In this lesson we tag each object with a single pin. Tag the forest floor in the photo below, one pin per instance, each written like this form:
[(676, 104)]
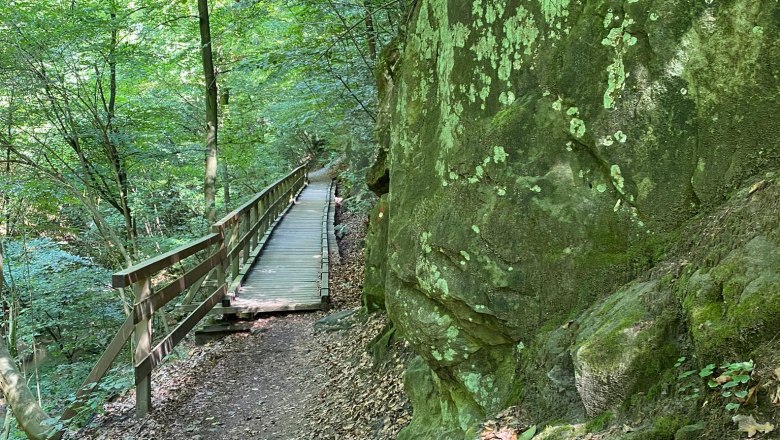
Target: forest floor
[(286, 379)]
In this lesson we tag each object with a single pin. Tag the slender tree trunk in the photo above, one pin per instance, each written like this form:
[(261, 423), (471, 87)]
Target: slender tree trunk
[(28, 413), (209, 187), (131, 231), (25, 407), (370, 31), (224, 101), (226, 185), (6, 198)]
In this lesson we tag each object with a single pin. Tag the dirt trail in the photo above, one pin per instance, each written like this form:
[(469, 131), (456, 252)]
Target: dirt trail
[(257, 385), (260, 388)]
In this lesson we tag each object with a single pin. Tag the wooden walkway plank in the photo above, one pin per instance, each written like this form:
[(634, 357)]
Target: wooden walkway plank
[(288, 273)]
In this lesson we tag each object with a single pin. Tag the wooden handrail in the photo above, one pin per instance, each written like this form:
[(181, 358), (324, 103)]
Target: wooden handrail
[(233, 215), (145, 309), (148, 267), (232, 238)]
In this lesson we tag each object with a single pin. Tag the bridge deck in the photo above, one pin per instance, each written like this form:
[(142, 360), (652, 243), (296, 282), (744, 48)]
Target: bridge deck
[(287, 273)]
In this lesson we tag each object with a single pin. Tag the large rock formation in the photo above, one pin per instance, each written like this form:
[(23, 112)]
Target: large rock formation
[(552, 164)]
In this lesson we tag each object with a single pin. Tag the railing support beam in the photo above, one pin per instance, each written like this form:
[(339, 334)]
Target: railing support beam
[(143, 346)]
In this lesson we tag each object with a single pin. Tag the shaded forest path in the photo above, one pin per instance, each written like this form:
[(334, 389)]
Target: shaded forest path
[(259, 388), (283, 380)]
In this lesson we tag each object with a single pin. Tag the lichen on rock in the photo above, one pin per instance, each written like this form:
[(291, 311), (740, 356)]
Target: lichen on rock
[(544, 157)]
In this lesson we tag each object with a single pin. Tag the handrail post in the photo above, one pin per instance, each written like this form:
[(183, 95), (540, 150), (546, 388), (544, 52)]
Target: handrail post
[(262, 216), (221, 270), (253, 219), (275, 206), (143, 346), (248, 223), (234, 236)]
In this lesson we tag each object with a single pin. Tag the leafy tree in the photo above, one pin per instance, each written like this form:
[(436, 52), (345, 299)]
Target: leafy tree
[(102, 144)]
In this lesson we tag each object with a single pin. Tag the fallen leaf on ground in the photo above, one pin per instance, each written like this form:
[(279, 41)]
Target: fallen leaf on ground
[(750, 398), (528, 434), (722, 379), (749, 425)]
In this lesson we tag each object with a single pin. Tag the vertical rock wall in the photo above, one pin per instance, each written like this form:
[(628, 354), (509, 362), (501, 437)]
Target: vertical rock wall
[(542, 154)]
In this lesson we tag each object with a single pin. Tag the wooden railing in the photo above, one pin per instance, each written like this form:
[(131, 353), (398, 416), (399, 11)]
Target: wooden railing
[(230, 248), (328, 212)]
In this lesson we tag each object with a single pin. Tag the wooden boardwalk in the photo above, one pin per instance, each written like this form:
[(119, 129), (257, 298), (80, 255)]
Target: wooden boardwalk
[(288, 273), (267, 255)]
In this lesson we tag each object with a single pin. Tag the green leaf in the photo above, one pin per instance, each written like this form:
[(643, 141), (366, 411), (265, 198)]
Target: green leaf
[(686, 374), (726, 394), (742, 378), (528, 434), (730, 384), (707, 371), (741, 394), (732, 406), (712, 384)]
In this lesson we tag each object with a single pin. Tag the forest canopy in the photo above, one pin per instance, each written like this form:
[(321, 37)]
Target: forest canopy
[(102, 110)]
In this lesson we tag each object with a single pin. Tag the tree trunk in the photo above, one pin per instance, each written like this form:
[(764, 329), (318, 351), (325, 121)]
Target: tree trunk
[(209, 187), (224, 101), (370, 31), (6, 197), (117, 162), (28, 413), (226, 185)]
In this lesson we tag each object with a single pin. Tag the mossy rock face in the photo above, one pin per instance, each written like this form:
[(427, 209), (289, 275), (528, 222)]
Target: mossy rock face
[(376, 256), (562, 432), (442, 412), (540, 152)]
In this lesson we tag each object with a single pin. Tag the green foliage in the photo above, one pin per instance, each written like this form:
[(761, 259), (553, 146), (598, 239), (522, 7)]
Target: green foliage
[(95, 185), (66, 316), (730, 380)]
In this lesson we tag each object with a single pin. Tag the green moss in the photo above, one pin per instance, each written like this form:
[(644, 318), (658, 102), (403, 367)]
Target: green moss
[(554, 9), (619, 40), (663, 428), (381, 343), (562, 432), (599, 422), (546, 244), (736, 302)]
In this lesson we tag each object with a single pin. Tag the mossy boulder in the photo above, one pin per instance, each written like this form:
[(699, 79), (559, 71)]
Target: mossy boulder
[(442, 411), (736, 304), (562, 432), (543, 154), (622, 342)]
